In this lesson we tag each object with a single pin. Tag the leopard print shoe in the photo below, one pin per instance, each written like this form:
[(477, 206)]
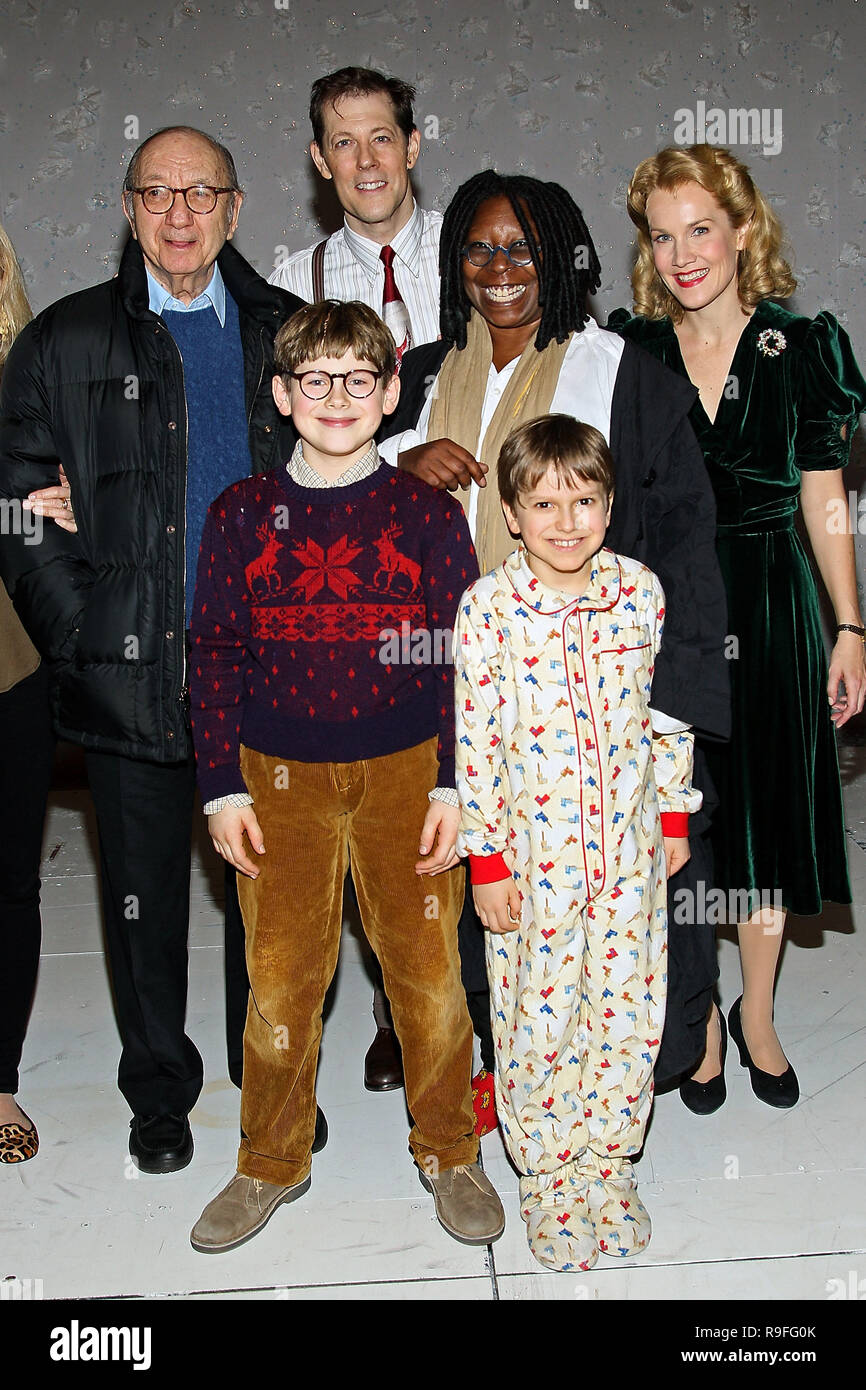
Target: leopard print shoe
[(17, 1144)]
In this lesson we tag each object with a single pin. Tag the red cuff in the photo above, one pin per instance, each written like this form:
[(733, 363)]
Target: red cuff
[(487, 868), (675, 824)]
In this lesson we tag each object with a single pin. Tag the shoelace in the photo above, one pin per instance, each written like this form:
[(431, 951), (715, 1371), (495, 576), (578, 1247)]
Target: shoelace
[(468, 1171)]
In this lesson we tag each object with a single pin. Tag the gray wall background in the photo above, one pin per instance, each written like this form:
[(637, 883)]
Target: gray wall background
[(576, 92), (579, 95)]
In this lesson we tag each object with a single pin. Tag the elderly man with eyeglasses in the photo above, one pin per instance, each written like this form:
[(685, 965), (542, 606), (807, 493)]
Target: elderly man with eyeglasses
[(153, 392)]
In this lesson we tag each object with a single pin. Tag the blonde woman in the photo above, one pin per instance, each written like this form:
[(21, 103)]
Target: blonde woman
[(779, 397), (25, 769)]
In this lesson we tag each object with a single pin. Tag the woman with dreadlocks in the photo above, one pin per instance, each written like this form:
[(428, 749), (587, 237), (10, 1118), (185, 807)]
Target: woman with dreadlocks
[(518, 264)]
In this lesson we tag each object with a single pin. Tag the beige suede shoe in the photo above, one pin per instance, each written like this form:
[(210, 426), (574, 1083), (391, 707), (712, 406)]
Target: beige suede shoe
[(239, 1211), (467, 1205)]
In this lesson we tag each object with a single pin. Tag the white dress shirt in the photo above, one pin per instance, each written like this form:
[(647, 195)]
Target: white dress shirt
[(584, 390), (353, 270)]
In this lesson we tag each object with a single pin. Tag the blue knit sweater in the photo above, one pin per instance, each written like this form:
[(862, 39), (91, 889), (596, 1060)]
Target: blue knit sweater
[(218, 447)]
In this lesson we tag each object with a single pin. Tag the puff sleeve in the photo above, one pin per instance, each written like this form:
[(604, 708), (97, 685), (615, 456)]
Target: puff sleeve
[(831, 394)]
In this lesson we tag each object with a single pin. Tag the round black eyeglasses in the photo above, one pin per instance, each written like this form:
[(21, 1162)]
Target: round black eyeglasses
[(317, 385), (481, 253)]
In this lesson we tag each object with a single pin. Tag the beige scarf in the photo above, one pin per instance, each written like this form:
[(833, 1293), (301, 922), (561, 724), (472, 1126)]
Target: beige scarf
[(456, 414)]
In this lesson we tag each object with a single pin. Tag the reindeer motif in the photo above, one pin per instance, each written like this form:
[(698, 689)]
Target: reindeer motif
[(261, 571), (392, 563)]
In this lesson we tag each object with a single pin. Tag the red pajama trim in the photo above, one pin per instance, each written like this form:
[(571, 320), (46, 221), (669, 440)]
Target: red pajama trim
[(487, 868), (675, 824)]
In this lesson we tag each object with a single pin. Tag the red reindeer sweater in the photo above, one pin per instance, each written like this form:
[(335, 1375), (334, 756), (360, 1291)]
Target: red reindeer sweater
[(322, 621)]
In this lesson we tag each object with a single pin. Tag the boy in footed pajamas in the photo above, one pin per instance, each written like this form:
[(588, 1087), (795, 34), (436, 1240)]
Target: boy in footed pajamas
[(321, 735), (571, 805)]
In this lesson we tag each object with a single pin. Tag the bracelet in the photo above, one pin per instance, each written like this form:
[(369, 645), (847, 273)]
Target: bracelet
[(851, 627)]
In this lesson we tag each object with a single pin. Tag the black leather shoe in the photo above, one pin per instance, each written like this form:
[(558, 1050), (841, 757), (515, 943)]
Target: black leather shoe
[(383, 1064), (705, 1097), (160, 1143), (782, 1091), (320, 1138)]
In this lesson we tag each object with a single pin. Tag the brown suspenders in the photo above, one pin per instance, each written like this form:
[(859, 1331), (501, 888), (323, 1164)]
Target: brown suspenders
[(319, 271)]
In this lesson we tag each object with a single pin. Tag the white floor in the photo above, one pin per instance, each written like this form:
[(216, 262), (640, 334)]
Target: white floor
[(748, 1203)]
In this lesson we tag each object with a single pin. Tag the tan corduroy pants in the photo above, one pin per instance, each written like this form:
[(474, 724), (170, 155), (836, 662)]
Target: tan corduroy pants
[(314, 817)]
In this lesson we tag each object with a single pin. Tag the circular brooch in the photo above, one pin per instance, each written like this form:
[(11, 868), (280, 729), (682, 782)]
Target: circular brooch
[(771, 342)]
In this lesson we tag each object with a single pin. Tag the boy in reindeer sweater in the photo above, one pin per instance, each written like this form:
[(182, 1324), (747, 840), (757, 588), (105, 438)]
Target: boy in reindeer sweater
[(320, 737)]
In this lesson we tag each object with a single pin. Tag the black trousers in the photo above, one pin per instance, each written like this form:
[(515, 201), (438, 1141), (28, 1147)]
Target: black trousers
[(144, 815), (25, 775), (473, 969), (237, 979)]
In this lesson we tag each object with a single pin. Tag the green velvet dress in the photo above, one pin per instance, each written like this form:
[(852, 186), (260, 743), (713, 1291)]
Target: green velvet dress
[(779, 825)]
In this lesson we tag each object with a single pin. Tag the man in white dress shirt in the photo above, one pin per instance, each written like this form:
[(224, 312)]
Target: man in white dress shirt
[(386, 254), (365, 139)]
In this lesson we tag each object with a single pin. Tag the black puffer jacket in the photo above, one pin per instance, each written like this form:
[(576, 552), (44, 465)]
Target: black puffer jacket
[(95, 382)]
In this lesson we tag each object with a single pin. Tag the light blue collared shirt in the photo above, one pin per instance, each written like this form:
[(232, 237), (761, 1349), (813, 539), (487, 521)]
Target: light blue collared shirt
[(212, 296)]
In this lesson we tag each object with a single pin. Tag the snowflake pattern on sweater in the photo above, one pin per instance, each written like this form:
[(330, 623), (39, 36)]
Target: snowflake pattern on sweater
[(298, 590)]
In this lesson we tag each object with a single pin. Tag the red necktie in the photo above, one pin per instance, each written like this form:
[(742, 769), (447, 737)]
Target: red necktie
[(394, 311)]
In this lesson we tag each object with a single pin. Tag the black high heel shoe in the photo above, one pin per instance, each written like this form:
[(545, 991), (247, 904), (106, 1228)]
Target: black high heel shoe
[(782, 1091), (705, 1097)]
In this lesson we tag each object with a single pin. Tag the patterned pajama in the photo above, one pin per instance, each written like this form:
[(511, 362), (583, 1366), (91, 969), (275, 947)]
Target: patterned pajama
[(557, 766)]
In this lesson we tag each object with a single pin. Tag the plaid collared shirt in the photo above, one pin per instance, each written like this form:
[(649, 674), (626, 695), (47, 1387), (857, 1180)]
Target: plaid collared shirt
[(305, 475)]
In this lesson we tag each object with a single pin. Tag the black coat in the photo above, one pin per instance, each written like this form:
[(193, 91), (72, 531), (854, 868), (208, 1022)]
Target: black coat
[(95, 382)]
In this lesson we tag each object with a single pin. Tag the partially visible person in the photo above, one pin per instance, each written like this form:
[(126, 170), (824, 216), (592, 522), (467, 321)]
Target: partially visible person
[(25, 773), (778, 402), (385, 255), (317, 741), (153, 391), (518, 264), (554, 656)]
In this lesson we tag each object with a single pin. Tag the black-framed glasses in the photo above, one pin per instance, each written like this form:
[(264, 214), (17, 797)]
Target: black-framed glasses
[(199, 197), (481, 253), (317, 385)]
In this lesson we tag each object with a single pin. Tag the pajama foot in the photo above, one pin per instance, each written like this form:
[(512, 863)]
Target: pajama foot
[(559, 1228), (621, 1221)]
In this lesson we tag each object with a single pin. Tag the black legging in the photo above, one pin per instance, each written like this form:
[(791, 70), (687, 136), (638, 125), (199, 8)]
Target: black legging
[(25, 775)]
